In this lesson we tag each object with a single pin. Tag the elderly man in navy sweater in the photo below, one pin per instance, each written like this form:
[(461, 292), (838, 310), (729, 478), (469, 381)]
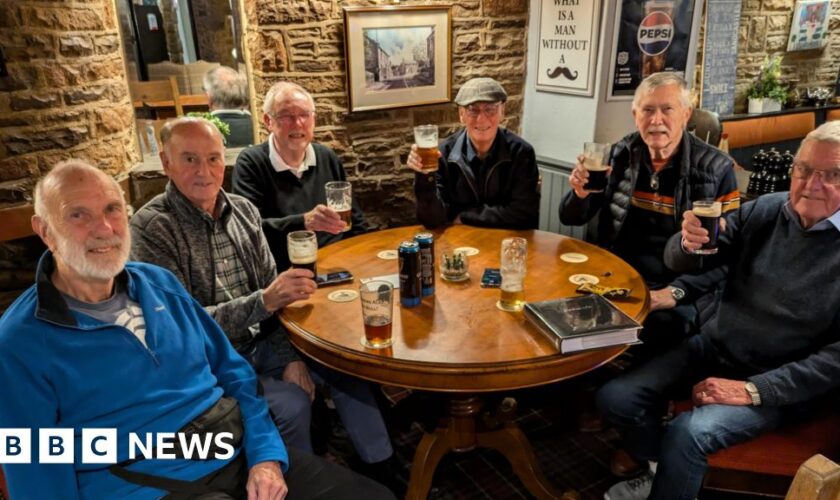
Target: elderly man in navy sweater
[(771, 349)]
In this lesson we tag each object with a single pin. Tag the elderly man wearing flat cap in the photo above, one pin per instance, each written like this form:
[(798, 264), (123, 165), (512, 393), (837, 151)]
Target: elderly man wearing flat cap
[(487, 175)]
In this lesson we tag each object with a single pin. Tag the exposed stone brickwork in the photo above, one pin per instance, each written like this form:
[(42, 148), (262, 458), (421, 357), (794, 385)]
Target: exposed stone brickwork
[(765, 27), (65, 96), (303, 42)]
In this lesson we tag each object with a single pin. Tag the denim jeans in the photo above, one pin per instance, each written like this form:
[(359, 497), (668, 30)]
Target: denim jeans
[(291, 408), (636, 403)]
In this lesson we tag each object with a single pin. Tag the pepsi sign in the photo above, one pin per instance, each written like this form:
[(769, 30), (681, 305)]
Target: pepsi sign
[(655, 33)]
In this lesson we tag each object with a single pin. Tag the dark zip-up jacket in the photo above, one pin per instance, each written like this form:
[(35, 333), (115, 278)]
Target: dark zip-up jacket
[(705, 173), (508, 197)]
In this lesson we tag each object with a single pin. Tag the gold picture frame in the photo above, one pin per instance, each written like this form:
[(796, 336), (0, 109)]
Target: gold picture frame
[(398, 56)]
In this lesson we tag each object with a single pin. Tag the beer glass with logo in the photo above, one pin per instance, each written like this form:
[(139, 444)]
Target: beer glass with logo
[(595, 158), (708, 211), (340, 199), (377, 299), (303, 250), (426, 138), (512, 268)]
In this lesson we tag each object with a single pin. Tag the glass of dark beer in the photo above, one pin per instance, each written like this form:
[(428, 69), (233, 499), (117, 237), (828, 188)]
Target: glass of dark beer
[(340, 199), (303, 250), (595, 159), (426, 138), (377, 299), (708, 211)]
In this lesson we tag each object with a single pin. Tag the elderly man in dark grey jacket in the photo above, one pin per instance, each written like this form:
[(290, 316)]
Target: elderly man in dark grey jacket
[(214, 244)]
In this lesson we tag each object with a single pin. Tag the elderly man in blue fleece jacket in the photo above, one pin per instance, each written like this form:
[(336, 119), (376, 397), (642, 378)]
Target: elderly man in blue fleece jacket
[(98, 343), (771, 349)]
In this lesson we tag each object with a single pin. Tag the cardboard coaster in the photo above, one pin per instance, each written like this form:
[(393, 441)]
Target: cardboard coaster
[(468, 251), (573, 257), (345, 295), (579, 279), (388, 255)]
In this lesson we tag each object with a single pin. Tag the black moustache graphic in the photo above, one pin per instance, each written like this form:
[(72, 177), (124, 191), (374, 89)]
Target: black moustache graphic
[(560, 70)]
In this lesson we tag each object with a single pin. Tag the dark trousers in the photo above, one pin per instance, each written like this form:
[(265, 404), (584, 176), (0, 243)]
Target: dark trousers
[(309, 477)]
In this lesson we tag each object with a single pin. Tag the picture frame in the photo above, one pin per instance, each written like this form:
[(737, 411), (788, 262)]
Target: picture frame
[(634, 53), (568, 47), (809, 25), (398, 56)]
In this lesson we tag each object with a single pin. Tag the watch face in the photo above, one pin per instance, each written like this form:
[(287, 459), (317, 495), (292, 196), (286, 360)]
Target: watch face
[(677, 293)]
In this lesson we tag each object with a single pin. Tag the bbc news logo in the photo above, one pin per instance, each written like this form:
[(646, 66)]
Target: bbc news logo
[(655, 33), (99, 446)]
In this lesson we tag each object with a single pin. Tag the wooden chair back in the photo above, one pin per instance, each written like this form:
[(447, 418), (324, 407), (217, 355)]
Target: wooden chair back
[(157, 90), (817, 479)]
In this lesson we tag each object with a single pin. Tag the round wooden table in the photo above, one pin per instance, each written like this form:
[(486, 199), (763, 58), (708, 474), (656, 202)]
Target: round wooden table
[(458, 341)]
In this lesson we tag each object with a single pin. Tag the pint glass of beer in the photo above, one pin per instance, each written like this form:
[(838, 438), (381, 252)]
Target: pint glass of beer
[(340, 199), (426, 138), (303, 250), (708, 211), (377, 299), (595, 159), (514, 255)]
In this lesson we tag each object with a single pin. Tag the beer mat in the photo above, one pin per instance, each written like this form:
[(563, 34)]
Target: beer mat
[(579, 279), (388, 255), (468, 251), (604, 291), (573, 257), (345, 295), (459, 279), (393, 279)]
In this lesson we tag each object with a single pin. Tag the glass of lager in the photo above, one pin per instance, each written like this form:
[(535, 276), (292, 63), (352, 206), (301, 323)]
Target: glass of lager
[(377, 299), (426, 138), (514, 255), (708, 211), (595, 161), (340, 199), (303, 250)]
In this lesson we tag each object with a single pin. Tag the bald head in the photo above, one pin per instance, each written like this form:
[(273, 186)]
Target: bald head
[(188, 125), (48, 191)]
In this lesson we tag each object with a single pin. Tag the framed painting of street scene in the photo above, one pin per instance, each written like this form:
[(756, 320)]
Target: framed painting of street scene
[(397, 56)]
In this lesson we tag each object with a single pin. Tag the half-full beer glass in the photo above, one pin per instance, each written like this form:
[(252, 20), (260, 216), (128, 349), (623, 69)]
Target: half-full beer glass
[(303, 250), (595, 161), (340, 199), (514, 255), (377, 299), (708, 211), (426, 138)]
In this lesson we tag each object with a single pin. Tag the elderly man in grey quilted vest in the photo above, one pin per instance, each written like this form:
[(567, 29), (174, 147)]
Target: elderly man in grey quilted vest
[(213, 242)]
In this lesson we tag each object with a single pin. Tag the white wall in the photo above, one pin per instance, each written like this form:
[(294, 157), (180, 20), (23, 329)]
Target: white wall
[(557, 125)]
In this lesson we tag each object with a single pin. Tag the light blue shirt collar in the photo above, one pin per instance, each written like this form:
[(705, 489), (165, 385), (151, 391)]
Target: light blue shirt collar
[(822, 225)]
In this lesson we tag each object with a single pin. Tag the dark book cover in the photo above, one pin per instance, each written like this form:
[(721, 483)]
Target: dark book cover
[(578, 323)]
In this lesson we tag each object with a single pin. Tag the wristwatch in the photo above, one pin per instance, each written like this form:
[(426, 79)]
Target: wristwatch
[(752, 390), (677, 293)]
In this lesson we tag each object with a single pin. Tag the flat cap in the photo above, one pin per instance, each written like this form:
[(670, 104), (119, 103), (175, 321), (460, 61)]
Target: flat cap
[(480, 90)]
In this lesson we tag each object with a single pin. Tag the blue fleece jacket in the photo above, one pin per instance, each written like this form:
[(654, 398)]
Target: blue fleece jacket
[(62, 369)]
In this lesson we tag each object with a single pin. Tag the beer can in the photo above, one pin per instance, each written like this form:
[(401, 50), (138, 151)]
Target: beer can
[(410, 287), (426, 241)]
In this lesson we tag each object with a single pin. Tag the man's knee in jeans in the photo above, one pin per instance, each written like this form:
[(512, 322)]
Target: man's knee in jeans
[(616, 403), (291, 410)]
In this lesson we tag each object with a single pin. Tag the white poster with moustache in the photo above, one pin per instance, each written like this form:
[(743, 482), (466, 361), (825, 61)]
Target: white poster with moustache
[(568, 46)]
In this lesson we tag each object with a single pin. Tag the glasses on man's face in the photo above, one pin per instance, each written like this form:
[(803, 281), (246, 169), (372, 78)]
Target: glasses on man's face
[(290, 118), (488, 110), (804, 172)]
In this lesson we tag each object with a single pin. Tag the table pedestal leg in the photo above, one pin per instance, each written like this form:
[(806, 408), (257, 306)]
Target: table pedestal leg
[(459, 434)]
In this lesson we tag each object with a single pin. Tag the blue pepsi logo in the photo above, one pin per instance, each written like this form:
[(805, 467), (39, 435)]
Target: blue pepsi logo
[(655, 33)]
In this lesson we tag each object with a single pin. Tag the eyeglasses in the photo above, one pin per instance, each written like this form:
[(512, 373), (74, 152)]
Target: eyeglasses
[(290, 118), (488, 110), (804, 172)]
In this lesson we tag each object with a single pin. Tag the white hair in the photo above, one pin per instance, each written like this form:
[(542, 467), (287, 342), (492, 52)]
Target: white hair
[(657, 80), (279, 91)]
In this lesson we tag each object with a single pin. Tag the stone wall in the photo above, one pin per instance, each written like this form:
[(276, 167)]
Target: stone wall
[(765, 26), (303, 42), (66, 96)]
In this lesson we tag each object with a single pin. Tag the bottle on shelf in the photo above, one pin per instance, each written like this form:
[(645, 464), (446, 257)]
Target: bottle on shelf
[(723, 145)]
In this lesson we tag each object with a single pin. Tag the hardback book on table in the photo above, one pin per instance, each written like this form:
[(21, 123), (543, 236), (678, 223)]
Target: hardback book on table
[(580, 323)]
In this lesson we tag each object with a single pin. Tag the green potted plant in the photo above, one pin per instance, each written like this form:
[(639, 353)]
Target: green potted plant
[(768, 93), (223, 127)]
